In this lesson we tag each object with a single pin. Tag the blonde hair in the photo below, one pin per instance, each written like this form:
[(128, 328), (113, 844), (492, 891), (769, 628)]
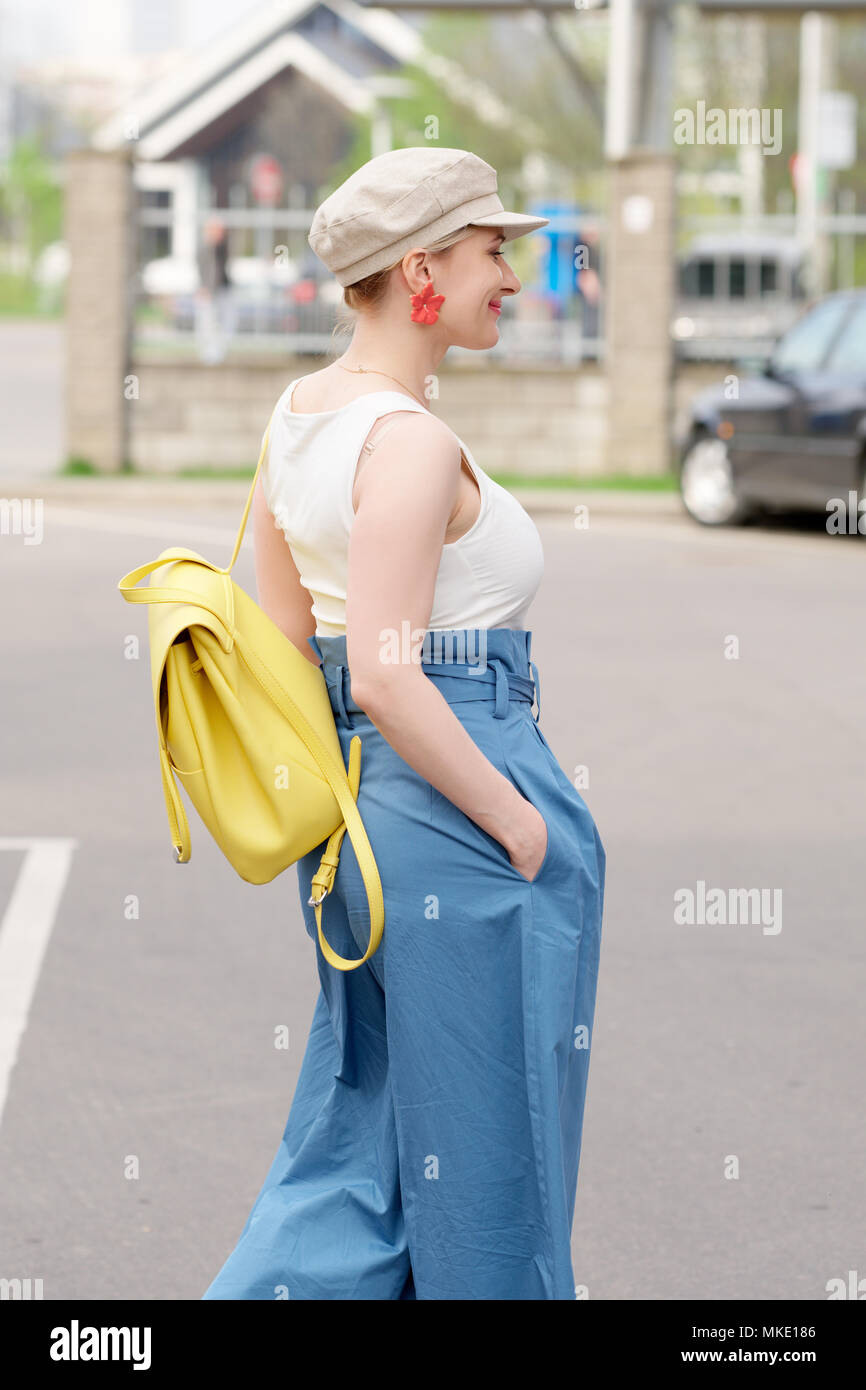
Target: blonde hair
[(368, 294)]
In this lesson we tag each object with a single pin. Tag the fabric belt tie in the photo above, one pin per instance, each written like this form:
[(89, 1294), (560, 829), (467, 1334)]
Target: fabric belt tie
[(493, 682)]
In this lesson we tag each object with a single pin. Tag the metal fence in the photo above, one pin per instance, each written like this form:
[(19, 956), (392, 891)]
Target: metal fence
[(281, 298), (738, 286)]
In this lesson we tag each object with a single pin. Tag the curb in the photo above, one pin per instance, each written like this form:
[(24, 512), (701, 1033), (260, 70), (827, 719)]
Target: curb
[(232, 493)]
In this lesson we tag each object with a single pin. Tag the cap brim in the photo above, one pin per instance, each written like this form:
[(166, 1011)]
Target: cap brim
[(513, 224)]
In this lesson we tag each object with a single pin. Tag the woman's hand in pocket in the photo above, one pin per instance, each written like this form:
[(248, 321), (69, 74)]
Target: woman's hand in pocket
[(529, 846)]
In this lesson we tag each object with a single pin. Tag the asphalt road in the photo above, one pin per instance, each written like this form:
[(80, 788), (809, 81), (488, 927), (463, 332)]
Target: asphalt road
[(147, 1099)]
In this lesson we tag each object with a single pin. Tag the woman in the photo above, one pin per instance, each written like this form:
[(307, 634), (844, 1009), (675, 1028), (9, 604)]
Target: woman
[(432, 1146)]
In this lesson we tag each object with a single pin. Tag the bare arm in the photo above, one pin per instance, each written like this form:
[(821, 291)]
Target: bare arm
[(406, 495)]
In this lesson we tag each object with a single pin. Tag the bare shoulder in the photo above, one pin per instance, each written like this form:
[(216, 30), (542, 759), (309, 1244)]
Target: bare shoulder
[(416, 430)]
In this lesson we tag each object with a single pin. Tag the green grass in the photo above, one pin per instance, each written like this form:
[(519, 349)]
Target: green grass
[(77, 468), (616, 481), (620, 482), (20, 299), (208, 474)]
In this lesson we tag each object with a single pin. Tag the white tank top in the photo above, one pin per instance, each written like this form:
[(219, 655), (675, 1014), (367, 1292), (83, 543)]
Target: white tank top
[(486, 578)]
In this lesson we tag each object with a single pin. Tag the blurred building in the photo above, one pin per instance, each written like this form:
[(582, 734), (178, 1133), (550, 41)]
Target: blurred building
[(255, 124), (289, 68), (65, 69)]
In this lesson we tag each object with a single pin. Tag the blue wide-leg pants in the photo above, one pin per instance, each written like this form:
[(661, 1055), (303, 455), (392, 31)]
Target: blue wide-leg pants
[(433, 1142)]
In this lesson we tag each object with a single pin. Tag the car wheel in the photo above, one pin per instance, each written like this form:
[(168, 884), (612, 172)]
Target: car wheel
[(707, 484)]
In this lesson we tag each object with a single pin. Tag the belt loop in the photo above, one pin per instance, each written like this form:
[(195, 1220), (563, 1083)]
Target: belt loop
[(501, 707), (338, 691), (537, 715)]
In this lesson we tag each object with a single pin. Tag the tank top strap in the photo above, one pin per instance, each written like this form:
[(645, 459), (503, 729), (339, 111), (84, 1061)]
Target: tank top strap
[(354, 422), (332, 442), (343, 411), (486, 578), (386, 408), (363, 413)]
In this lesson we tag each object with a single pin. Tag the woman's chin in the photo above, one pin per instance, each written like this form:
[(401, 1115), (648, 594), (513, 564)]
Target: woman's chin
[(489, 334), (477, 342)]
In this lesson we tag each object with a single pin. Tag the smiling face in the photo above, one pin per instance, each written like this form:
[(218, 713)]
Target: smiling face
[(475, 279)]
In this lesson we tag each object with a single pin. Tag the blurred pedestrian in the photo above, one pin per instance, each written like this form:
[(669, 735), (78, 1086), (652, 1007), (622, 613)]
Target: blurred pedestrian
[(214, 301), (588, 280)]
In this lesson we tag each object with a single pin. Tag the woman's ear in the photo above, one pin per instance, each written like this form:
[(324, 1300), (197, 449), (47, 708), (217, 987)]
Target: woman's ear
[(415, 270)]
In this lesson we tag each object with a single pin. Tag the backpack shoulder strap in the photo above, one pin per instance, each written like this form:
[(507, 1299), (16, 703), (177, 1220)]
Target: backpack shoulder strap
[(243, 524)]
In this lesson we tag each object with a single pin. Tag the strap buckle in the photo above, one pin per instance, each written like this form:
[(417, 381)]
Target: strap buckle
[(537, 683)]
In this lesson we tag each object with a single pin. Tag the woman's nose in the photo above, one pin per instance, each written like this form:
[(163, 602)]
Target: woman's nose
[(512, 285)]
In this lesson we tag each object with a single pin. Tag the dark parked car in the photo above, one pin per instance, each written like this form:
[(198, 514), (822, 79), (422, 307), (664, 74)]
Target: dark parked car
[(790, 437)]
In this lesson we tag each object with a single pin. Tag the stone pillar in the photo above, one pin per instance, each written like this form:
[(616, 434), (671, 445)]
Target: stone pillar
[(639, 309), (100, 234)]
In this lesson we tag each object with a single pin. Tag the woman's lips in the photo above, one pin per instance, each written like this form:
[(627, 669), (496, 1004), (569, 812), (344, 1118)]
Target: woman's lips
[(495, 306)]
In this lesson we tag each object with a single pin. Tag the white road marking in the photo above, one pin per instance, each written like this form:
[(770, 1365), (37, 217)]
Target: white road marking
[(24, 933)]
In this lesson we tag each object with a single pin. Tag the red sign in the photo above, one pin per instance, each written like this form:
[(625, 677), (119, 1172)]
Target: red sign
[(266, 180)]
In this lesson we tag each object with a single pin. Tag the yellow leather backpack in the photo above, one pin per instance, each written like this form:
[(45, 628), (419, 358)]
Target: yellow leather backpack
[(245, 724)]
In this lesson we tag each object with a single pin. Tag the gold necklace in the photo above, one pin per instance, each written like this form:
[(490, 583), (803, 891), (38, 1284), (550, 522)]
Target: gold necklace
[(390, 378)]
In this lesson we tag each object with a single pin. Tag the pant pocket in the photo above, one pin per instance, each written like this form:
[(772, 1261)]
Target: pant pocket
[(528, 773), (549, 822), (449, 818)]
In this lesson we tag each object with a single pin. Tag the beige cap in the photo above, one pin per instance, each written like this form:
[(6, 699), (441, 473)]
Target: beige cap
[(405, 198)]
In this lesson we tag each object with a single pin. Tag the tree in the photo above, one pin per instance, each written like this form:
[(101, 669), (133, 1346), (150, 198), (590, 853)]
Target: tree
[(30, 202)]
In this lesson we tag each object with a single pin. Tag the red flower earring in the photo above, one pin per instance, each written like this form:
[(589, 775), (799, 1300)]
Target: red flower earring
[(425, 306)]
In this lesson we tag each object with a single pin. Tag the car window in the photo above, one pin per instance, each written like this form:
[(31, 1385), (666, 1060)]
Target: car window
[(849, 350), (768, 277), (706, 279), (803, 346)]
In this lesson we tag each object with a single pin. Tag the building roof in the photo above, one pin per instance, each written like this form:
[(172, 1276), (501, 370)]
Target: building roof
[(335, 44)]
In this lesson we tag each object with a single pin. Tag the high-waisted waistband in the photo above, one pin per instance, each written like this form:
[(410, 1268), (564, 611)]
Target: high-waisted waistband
[(491, 664)]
